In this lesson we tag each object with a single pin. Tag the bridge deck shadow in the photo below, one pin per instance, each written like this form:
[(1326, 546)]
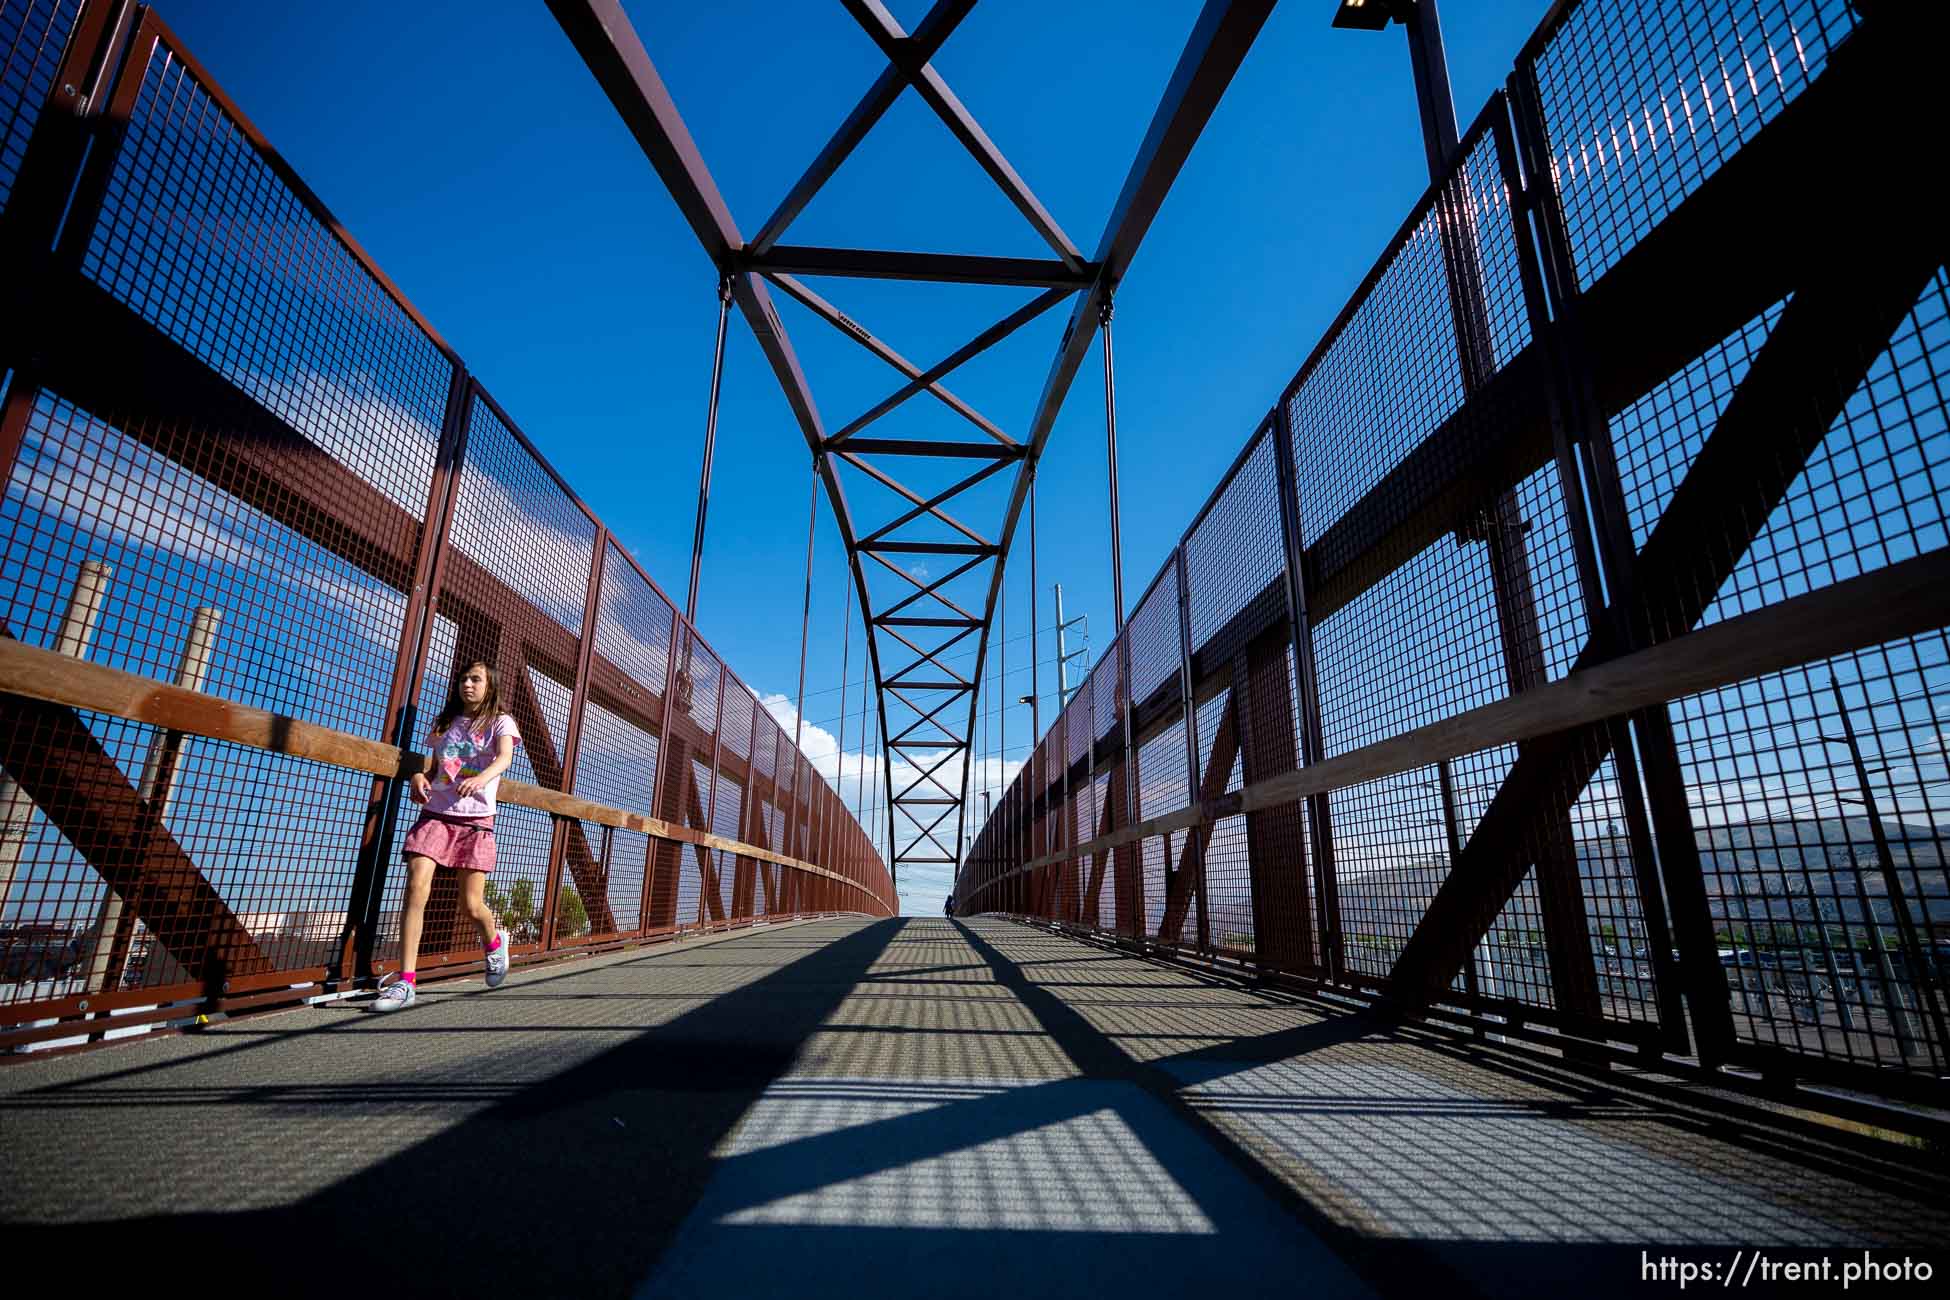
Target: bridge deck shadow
[(894, 1107)]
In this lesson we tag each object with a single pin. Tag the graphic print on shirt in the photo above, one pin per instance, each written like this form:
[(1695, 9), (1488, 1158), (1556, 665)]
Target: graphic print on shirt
[(466, 749), (460, 755)]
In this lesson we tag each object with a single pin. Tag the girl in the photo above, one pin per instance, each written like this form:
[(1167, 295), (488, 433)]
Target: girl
[(472, 743)]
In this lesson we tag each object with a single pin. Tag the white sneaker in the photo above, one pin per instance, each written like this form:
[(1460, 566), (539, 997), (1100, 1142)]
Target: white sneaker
[(497, 961), (397, 996)]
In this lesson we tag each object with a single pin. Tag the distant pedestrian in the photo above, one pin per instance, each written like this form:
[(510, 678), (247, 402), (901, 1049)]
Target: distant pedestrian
[(472, 743)]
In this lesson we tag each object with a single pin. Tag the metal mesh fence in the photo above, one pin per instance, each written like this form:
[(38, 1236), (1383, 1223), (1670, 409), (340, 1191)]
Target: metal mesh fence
[(1483, 508), (1645, 100), (285, 623), (1374, 390), (1234, 555), (245, 466), (1390, 852), (33, 34), (1421, 644), (204, 235)]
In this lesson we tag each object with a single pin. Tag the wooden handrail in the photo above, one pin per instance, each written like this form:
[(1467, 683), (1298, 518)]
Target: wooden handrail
[(1902, 599), (38, 674)]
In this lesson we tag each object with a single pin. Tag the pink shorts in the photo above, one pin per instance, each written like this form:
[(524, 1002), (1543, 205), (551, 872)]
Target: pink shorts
[(463, 843)]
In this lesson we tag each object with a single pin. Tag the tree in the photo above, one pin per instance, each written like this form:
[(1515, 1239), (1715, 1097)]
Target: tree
[(516, 909), (571, 917), (523, 920)]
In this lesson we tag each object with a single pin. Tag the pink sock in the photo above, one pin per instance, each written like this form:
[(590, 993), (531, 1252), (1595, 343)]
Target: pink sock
[(408, 977), (496, 944)]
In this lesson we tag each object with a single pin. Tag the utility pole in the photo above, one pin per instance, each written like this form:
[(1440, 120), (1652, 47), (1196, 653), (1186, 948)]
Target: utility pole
[(1063, 656)]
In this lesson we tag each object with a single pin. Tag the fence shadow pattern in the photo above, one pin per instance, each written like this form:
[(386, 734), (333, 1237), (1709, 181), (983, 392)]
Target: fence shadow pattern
[(1649, 357), (237, 459)]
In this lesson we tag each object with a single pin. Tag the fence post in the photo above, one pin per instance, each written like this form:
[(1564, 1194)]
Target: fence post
[(44, 203), (715, 902), (1196, 836), (358, 946), (558, 844), (38, 206), (1263, 713), (653, 851), (1129, 916), (1320, 826), (745, 885), (1606, 554)]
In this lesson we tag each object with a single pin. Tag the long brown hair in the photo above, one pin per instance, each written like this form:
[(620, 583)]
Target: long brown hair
[(455, 707)]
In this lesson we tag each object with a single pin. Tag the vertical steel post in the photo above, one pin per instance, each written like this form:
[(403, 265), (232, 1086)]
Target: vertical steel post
[(710, 447), (805, 625), (652, 905), (846, 656), (1035, 621), (1104, 313), (572, 746), (746, 879), (359, 941), (1569, 424), (1031, 847), (887, 766), (1432, 96), (45, 205), (1312, 745), (860, 782), (1262, 711), (711, 807), (1196, 837), (1500, 527), (1659, 811), (1122, 859)]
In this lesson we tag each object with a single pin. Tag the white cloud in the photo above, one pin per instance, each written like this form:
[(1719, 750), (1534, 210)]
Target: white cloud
[(922, 886), (352, 419), (120, 494)]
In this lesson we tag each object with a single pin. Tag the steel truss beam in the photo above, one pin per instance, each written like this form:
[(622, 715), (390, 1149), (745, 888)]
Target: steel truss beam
[(1225, 31), (604, 38), (987, 339), (935, 28), (927, 506), (887, 33), (859, 333), (943, 268)]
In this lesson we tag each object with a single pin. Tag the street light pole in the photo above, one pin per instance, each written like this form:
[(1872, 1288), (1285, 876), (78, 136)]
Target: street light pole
[(1035, 622)]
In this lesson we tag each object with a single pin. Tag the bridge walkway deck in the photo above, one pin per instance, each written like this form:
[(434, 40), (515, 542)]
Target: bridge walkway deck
[(895, 1107)]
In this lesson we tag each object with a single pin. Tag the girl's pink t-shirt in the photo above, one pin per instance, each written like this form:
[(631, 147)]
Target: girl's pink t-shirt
[(461, 751)]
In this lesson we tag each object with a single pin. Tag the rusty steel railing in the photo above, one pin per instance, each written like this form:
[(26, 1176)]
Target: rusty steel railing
[(1566, 648), (238, 461)]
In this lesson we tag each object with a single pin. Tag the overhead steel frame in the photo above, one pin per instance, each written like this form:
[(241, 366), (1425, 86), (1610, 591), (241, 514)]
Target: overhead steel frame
[(608, 44)]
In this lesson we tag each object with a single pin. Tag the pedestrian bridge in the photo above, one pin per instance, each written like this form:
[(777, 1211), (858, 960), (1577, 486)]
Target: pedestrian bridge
[(911, 1107), (1503, 847)]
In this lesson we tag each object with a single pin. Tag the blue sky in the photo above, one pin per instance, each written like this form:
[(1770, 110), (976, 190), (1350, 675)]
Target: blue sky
[(470, 152)]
